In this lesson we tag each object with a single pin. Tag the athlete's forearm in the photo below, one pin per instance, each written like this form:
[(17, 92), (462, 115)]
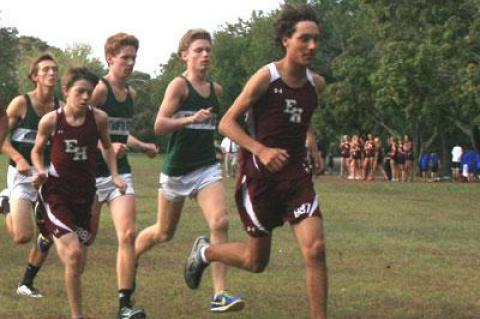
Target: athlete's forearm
[(37, 159), (165, 125), (10, 151), (111, 160), (232, 130), (135, 143)]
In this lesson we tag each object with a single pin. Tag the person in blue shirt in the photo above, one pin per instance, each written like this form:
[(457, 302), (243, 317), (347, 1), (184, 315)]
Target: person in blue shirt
[(469, 159), (477, 168), (424, 163), (434, 165)]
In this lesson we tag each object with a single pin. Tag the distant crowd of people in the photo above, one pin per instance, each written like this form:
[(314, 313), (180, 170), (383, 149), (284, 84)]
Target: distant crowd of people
[(360, 159), (363, 159)]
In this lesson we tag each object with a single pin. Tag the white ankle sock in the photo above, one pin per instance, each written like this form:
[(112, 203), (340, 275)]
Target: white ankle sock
[(202, 254)]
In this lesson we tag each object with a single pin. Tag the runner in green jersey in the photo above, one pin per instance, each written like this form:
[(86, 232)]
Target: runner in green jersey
[(116, 98), (189, 112), (24, 113)]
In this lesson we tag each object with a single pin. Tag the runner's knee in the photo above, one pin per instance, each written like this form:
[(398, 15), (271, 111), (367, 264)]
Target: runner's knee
[(22, 237), (219, 224), (127, 237), (73, 259), (315, 253), (257, 264), (164, 235)]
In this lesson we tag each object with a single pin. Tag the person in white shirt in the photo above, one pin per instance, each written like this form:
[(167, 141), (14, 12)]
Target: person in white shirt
[(230, 151), (457, 152)]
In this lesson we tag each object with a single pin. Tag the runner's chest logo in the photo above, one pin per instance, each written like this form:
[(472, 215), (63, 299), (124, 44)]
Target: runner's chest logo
[(79, 152), (294, 112)]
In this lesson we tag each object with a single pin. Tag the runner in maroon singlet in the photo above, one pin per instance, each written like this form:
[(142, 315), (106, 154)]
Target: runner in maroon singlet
[(355, 157), (368, 158), (408, 149), (66, 195), (393, 154), (275, 185), (345, 155)]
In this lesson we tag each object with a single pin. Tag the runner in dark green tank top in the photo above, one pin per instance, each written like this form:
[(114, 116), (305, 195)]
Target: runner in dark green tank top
[(189, 112), (22, 137), (119, 121), (192, 147), (24, 113), (117, 99)]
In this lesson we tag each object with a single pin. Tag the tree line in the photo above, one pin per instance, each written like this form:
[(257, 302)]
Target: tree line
[(392, 68)]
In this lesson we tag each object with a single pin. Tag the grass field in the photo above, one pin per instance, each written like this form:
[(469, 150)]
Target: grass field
[(395, 251)]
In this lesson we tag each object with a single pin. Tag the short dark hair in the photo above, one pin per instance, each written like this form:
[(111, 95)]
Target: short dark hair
[(75, 74), (190, 36), (34, 66), (288, 18)]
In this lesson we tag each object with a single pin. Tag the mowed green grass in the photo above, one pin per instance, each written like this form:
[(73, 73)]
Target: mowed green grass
[(406, 251)]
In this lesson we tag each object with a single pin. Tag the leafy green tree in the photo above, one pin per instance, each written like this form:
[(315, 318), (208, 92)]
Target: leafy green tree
[(144, 108), (8, 58), (157, 86), (407, 68), (239, 50)]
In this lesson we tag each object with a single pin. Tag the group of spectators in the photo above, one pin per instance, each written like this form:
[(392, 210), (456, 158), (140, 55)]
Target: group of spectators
[(360, 159), (363, 159), (465, 164)]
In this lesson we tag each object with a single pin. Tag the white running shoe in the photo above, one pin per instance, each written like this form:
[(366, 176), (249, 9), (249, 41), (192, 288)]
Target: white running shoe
[(28, 291)]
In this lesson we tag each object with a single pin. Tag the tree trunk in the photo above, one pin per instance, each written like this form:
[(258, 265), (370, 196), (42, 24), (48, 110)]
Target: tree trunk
[(445, 162)]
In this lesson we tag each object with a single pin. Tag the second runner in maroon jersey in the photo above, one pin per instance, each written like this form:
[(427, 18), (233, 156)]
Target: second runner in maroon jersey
[(66, 195), (71, 175)]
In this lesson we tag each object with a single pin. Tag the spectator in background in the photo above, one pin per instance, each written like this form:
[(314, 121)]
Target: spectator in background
[(355, 157), (345, 155), (379, 157), (230, 156), (401, 157), (424, 164), (469, 159), (408, 151), (393, 154), (434, 166), (477, 166), (218, 151), (457, 152), (369, 158)]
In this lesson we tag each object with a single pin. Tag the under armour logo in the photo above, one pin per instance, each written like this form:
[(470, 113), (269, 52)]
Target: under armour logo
[(250, 229), (277, 90)]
